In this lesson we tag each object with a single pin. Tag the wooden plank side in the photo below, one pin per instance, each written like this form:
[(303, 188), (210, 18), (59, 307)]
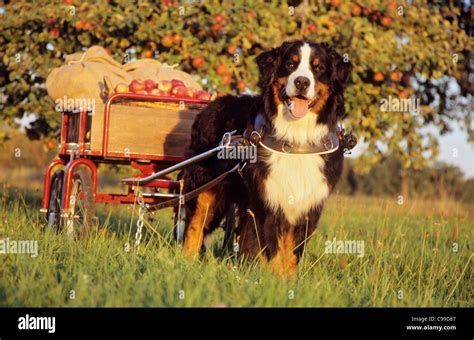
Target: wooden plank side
[(97, 127), (154, 131)]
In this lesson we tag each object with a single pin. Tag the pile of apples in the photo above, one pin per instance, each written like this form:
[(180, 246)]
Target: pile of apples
[(169, 88)]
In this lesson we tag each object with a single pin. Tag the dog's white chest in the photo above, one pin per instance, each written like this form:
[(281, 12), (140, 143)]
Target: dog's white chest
[(295, 184)]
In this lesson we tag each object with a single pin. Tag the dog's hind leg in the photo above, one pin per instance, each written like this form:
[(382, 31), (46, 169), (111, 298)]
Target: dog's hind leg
[(198, 224)]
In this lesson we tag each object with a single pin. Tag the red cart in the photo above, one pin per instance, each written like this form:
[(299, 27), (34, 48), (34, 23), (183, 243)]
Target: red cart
[(149, 133)]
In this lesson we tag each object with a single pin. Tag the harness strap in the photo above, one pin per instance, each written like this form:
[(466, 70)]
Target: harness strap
[(329, 143), (195, 192), (260, 135)]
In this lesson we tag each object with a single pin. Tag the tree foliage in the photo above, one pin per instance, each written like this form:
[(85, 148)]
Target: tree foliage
[(439, 181), (398, 50)]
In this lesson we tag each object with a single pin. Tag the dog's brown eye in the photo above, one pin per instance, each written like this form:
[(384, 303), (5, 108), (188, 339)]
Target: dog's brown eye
[(291, 65), (319, 67)]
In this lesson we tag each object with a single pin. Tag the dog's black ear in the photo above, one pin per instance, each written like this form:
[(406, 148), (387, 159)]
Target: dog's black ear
[(341, 69), (267, 63)]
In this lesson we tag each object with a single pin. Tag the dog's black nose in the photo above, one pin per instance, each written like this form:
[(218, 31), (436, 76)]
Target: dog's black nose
[(301, 83)]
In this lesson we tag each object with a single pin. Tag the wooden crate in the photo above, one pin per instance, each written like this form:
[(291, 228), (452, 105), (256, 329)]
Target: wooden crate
[(154, 129)]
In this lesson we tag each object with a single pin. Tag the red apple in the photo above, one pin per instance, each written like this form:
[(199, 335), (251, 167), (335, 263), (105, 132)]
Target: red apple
[(179, 91), (121, 88), (386, 21), (226, 79), (241, 85), (156, 92), (379, 76), (189, 93), (167, 41), (203, 95), (51, 144), (176, 83), (54, 33), (312, 28), (231, 49), (198, 62), (141, 92), (136, 86), (87, 26), (165, 86), (356, 10), (218, 18), (149, 84), (221, 70)]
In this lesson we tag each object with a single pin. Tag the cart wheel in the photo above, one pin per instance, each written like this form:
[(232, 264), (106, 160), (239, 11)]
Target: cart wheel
[(229, 230), (54, 204), (179, 225), (80, 215)]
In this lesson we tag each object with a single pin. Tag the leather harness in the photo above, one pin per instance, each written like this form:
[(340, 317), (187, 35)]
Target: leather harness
[(261, 135)]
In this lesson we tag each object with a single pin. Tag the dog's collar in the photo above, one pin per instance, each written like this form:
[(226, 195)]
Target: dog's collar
[(263, 136)]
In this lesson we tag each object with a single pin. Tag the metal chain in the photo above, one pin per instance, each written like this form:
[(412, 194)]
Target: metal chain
[(179, 219), (140, 222)]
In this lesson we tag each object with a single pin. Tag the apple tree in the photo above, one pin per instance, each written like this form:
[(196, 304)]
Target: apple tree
[(418, 51)]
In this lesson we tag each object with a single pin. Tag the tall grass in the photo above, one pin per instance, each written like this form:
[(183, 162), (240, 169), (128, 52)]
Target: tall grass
[(410, 259)]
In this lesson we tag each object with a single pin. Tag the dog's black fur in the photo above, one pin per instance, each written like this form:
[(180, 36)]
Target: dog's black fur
[(260, 229)]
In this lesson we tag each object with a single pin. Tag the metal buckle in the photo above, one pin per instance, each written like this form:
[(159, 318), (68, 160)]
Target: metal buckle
[(226, 138), (286, 147), (255, 137), (325, 144)]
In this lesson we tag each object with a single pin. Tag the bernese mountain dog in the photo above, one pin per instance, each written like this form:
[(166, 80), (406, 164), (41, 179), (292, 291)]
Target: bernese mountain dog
[(279, 197)]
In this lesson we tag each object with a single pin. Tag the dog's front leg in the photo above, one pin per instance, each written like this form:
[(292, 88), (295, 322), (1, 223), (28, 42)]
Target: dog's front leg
[(282, 256), (200, 218), (270, 240)]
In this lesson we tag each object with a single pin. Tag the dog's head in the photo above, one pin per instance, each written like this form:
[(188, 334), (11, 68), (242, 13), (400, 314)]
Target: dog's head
[(304, 77)]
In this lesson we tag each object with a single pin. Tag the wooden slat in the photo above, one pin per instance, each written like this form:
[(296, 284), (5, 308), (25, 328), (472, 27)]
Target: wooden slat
[(155, 131)]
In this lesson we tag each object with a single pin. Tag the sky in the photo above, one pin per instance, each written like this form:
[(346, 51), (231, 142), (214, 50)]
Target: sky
[(457, 139), (465, 158)]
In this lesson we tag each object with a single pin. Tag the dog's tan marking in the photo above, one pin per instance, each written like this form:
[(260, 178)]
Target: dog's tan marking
[(276, 86), (322, 90), (199, 221), (285, 262)]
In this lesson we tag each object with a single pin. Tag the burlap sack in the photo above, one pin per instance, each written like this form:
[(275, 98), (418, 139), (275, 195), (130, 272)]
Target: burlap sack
[(83, 76), (143, 69), (93, 74), (168, 72)]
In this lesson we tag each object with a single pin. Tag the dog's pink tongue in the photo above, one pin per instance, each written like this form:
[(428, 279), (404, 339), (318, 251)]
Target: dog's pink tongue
[(299, 107)]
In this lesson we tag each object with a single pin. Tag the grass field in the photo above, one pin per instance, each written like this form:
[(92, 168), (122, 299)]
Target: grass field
[(415, 254)]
